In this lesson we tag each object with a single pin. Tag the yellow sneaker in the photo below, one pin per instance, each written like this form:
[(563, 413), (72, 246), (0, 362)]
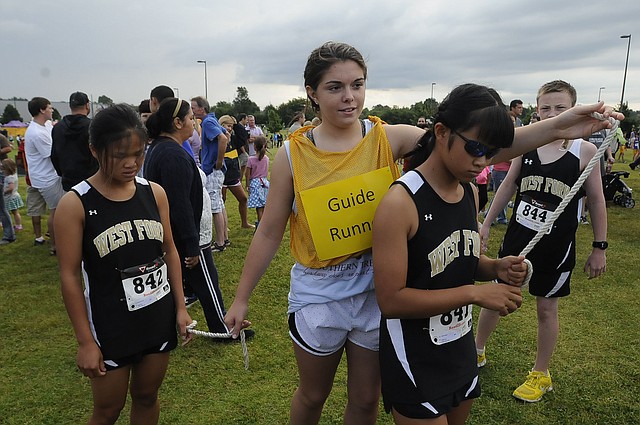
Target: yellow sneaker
[(536, 385), (482, 359)]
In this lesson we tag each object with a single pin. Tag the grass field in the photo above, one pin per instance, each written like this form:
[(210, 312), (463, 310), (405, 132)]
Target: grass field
[(595, 366)]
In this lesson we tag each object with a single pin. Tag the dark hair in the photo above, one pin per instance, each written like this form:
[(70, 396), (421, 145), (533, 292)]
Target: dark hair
[(241, 116), (468, 106), (116, 124), (497, 97), (37, 104), (514, 103), (260, 143), (161, 121), (161, 93), (322, 58), (202, 102), (144, 107)]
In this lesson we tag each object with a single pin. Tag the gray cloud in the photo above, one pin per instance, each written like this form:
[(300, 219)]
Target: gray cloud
[(122, 49)]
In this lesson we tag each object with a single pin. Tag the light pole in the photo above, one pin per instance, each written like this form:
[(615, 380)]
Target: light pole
[(206, 91), (624, 80), (432, 84), (177, 92), (600, 91)]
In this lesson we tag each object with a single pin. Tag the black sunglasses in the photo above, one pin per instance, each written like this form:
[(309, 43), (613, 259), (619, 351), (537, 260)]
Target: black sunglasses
[(477, 149)]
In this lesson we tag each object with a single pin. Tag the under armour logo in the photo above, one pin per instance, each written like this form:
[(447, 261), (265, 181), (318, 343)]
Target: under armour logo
[(528, 161), (428, 217), (93, 212)]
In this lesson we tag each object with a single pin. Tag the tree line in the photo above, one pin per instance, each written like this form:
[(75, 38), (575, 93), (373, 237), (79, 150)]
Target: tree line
[(278, 118)]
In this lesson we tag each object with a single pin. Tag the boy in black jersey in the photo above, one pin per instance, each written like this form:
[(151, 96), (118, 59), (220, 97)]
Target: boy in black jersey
[(543, 178)]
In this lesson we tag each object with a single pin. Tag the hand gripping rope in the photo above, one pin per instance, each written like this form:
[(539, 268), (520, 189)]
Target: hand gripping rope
[(245, 352), (611, 134)]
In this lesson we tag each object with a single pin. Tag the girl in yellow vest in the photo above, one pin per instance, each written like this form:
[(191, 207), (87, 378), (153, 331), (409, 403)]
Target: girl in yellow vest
[(327, 181)]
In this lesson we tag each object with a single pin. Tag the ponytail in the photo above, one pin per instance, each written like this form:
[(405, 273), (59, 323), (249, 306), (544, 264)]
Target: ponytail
[(260, 144), (161, 121), (422, 150)]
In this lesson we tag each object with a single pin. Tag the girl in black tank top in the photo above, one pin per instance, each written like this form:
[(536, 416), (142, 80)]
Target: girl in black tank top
[(115, 233), (426, 251)]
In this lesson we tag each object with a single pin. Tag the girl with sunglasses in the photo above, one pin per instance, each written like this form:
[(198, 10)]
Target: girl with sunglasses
[(426, 257)]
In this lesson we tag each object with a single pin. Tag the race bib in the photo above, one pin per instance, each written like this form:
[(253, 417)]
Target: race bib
[(534, 214), (145, 284), (451, 326), (340, 214)]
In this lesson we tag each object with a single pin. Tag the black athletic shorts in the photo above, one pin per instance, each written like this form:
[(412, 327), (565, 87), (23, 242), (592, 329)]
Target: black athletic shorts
[(436, 408), (137, 357)]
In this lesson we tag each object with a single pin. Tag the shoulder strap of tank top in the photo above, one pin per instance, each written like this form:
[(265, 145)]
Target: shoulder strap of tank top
[(287, 149)]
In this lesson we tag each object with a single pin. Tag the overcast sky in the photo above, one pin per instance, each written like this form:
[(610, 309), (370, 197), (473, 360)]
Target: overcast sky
[(124, 48)]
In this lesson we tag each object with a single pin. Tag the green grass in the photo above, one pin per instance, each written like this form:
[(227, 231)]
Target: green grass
[(595, 370)]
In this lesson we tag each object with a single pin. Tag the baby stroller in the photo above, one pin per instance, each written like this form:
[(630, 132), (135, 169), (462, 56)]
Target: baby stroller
[(616, 190)]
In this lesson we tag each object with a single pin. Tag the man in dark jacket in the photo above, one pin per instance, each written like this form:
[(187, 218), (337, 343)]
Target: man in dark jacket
[(70, 152)]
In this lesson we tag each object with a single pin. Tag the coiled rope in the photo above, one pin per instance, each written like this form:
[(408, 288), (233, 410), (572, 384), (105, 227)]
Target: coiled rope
[(245, 351), (574, 189)]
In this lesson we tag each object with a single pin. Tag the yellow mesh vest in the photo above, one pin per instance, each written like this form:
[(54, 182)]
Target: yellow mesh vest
[(313, 167)]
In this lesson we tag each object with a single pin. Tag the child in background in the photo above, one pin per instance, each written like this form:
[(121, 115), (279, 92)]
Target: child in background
[(633, 139), (12, 199), (233, 175), (622, 145), (256, 173), (481, 181)]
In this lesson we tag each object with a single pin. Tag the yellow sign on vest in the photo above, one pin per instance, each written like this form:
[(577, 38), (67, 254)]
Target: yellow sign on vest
[(340, 214), (231, 154)]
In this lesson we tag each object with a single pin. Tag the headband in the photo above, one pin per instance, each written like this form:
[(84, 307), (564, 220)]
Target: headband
[(178, 105)]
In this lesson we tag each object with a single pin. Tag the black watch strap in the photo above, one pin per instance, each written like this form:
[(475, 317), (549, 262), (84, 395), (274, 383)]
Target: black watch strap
[(600, 244)]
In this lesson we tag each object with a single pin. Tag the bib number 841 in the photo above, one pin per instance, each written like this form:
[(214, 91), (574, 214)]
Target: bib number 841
[(450, 326), (459, 313)]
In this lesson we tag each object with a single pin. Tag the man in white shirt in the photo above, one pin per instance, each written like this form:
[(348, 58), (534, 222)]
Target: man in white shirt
[(37, 146)]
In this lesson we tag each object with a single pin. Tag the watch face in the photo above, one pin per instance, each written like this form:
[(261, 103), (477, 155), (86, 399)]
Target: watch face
[(601, 245)]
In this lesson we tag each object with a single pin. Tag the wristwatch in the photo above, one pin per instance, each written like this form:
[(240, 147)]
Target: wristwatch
[(600, 244)]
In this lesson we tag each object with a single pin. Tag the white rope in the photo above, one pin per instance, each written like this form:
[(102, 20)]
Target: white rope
[(245, 351), (574, 189)]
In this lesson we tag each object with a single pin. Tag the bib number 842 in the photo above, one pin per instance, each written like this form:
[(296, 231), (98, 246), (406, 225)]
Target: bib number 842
[(153, 280)]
